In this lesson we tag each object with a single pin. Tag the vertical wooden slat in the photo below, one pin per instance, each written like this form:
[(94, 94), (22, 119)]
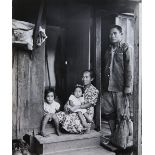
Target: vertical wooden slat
[(23, 106), (98, 70), (137, 88), (14, 94), (30, 88), (37, 87)]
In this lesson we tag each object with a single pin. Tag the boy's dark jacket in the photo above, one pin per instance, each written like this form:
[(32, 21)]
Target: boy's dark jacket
[(118, 74)]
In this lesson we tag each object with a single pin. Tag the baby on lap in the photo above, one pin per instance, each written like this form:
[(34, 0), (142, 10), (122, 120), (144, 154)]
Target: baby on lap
[(77, 99)]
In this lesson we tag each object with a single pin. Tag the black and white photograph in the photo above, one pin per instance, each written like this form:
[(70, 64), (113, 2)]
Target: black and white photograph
[(76, 77)]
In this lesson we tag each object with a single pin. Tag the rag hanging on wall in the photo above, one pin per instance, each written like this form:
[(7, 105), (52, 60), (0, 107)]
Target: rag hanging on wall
[(37, 24), (27, 35)]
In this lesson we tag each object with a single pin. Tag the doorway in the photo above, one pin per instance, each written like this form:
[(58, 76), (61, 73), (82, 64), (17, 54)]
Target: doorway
[(55, 71), (103, 20), (126, 21)]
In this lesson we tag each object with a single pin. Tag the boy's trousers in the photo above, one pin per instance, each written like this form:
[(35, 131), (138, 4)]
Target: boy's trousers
[(113, 105)]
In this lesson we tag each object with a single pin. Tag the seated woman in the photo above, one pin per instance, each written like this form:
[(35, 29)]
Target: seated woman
[(70, 121)]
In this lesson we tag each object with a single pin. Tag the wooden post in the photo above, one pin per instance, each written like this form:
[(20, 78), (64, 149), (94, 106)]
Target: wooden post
[(98, 69), (137, 86)]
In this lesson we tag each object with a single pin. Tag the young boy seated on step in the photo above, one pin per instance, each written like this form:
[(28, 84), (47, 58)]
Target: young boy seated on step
[(50, 109)]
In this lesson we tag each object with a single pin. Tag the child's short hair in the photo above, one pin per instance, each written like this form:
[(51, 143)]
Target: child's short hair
[(49, 90), (119, 28), (79, 86)]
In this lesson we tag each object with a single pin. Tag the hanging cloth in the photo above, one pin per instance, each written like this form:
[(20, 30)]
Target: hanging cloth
[(28, 35), (47, 65), (22, 34)]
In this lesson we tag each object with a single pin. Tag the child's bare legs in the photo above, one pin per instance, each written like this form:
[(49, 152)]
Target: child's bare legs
[(82, 119), (87, 118), (46, 119), (44, 122), (56, 123)]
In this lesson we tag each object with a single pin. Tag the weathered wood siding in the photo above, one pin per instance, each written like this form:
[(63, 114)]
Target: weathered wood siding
[(27, 75), (14, 93), (28, 88)]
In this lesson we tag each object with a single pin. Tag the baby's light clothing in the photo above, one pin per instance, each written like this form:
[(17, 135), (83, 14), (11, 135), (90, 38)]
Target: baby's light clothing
[(51, 108), (77, 101)]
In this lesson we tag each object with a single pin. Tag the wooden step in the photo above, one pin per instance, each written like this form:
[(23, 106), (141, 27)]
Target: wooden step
[(49, 129), (66, 142), (88, 151)]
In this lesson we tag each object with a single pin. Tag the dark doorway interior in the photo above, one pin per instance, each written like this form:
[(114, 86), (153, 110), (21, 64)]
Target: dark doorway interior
[(68, 45)]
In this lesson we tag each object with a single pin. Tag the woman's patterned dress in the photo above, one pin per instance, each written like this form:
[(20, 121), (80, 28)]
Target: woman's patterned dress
[(70, 121)]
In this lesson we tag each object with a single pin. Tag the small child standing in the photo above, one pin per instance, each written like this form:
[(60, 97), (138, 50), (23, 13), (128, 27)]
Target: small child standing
[(77, 99), (50, 108)]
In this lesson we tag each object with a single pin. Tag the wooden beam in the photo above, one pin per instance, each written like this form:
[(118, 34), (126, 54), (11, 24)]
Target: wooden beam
[(137, 91), (98, 69)]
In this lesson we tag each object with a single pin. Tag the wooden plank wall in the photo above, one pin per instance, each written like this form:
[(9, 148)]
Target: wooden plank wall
[(28, 84), (28, 88)]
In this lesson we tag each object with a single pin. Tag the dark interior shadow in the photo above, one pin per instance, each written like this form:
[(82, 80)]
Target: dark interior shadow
[(60, 71)]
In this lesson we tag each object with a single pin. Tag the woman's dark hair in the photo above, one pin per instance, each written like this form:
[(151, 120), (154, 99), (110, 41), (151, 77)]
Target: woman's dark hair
[(79, 86), (92, 74), (49, 90), (119, 28)]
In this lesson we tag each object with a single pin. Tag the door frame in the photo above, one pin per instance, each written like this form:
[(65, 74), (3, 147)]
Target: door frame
[(137, 108)]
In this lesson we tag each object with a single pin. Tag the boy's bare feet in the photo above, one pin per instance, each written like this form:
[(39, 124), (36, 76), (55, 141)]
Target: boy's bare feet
[(42, 133)]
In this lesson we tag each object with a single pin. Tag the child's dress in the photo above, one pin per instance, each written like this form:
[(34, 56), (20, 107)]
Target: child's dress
[(51, 108), (77, 101)]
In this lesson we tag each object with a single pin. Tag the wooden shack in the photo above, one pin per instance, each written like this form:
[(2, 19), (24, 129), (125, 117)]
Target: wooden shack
[(77, 33)]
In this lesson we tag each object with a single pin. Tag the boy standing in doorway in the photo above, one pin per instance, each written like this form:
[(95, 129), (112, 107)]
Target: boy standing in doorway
[(117, 77)]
